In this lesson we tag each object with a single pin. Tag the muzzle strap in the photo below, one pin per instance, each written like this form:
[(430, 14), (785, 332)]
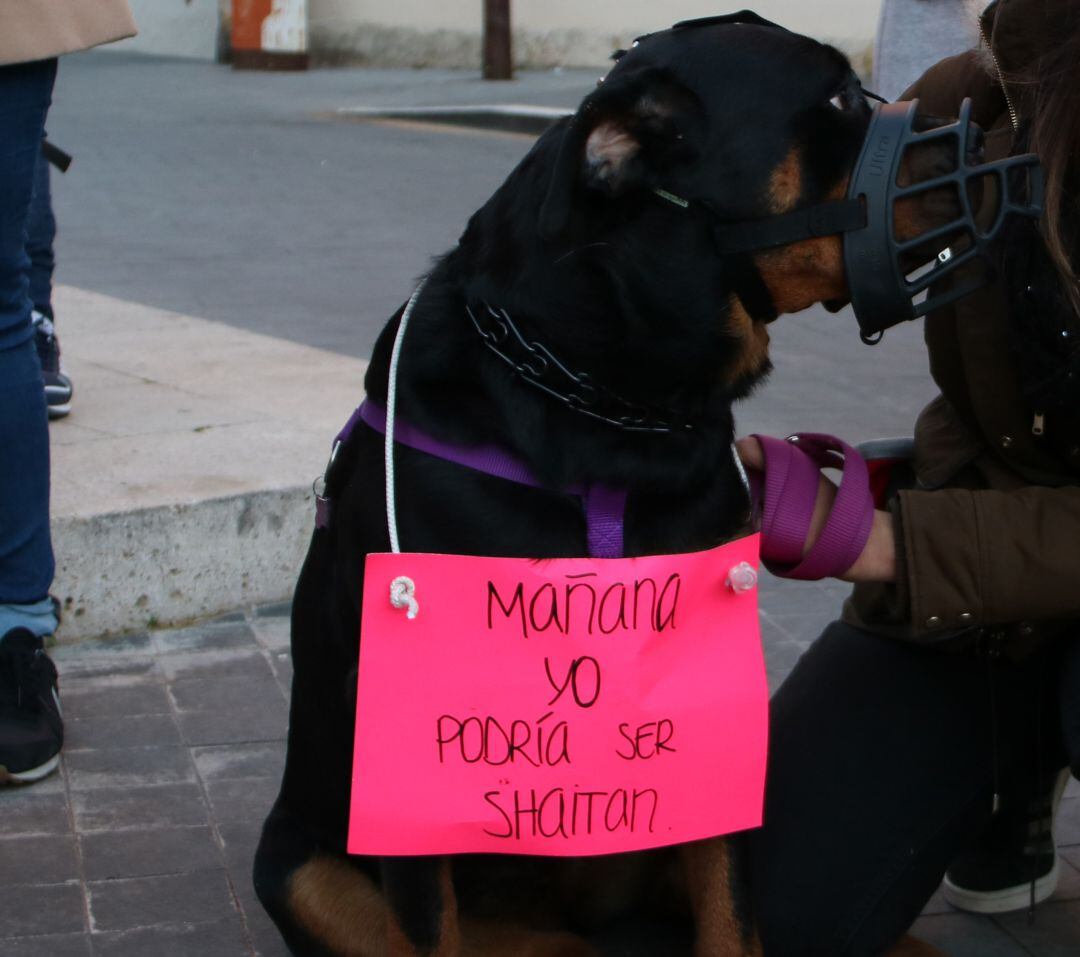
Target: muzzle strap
[(812, 222)]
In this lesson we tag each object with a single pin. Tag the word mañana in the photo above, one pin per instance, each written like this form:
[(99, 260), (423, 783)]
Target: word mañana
[(581, 606), (567, 813)]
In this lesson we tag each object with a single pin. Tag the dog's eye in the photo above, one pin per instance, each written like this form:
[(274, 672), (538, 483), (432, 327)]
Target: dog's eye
[(851, 97)]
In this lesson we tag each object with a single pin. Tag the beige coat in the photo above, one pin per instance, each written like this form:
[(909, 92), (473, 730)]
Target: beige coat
[(40, 29)]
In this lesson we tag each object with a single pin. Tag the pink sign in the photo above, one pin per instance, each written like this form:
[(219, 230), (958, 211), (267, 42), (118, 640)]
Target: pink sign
[(559, 707)]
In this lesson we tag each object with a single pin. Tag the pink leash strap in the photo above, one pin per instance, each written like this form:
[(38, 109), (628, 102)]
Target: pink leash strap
[(789, 495)]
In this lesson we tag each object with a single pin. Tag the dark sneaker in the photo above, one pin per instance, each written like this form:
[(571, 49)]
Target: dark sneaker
[(31, 728), (58, 388), (1016, 850)]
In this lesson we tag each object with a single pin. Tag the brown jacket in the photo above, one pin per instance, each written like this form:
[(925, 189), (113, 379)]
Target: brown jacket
[(41, 29), (989, 540)]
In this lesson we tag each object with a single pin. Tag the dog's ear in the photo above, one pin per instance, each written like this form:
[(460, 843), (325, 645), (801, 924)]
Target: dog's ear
[(624, 136)]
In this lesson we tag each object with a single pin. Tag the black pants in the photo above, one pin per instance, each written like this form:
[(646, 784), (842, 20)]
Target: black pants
[(882, 766)]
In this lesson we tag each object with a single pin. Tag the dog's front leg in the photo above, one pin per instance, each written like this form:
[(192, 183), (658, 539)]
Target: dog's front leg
[(720, 898), (423, 918)]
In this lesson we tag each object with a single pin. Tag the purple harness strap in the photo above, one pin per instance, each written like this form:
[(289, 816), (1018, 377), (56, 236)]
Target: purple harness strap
[(786, 493), (604, 507)]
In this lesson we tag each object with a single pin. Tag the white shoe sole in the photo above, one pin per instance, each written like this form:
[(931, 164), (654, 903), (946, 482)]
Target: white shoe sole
[(58, 399), (34, 774), (1018, 896)]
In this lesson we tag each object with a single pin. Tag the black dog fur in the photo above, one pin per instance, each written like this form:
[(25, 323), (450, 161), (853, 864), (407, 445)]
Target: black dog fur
[(621, 283)]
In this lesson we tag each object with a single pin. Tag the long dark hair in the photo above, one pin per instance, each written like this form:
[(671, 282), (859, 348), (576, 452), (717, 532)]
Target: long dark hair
[(1050, 87), (1042, 264)]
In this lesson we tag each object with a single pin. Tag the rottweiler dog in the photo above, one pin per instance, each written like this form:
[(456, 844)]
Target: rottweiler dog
[(597, 248)]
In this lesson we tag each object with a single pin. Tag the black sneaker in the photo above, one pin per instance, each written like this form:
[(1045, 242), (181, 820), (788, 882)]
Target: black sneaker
[(31, 728), (58, 388), (1016, 849)]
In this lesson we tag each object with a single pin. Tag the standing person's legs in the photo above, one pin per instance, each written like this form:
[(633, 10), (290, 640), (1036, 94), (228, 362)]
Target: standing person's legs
[(882, 766), (29, 725), (40, 237)]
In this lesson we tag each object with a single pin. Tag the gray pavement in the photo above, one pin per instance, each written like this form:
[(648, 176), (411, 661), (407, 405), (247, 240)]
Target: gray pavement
[(142, 843), (241, 199), (237, 197)]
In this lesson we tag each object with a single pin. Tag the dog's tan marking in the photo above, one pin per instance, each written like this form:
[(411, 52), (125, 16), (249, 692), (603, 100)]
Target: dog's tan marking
[(804, 273), (449, 943), (609, 146), (708, 876), (345, 911), (785, 184), (915, 215), (754, 338), (809, 271), (812, 270), (489, 939), (910, 947), (340, 907)]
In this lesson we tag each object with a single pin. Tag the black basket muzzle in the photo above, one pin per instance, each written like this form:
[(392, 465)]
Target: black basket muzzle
[(891, 280)]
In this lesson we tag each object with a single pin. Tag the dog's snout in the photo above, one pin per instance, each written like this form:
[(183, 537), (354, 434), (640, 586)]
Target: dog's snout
[(927, 160), (923, 162)]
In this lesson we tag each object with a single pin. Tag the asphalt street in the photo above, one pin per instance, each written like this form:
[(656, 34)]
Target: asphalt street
[(232, 196)]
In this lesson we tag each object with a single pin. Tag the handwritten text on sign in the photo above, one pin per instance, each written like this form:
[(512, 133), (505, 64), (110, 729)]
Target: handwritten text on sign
[(566, 706)]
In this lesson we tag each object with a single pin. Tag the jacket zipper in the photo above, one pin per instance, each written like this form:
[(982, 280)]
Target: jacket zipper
[(1001, 77), (1038, 424)]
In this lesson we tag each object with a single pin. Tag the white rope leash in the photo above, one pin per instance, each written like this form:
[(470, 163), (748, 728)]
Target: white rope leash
[(743, 477), (391, 405), (402, 588)]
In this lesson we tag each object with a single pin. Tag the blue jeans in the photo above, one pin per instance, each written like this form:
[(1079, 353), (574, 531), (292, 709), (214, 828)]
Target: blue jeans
[(40, 236), (26, 557)]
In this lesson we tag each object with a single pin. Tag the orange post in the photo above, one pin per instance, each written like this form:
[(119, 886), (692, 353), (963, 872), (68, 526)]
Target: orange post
[(269, 34)]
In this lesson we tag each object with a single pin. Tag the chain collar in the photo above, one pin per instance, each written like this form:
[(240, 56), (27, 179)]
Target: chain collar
[(537, 366)]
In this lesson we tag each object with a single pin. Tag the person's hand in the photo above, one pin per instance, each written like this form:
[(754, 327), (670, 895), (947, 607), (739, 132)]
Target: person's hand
[(876, 563), (749, 449)]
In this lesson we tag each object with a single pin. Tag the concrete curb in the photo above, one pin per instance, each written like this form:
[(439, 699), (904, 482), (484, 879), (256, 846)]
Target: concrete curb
[(126, 571), (509, 118), (181, 489)]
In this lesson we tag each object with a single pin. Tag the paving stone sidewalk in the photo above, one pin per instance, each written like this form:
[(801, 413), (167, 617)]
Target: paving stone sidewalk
[(142, 843)]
